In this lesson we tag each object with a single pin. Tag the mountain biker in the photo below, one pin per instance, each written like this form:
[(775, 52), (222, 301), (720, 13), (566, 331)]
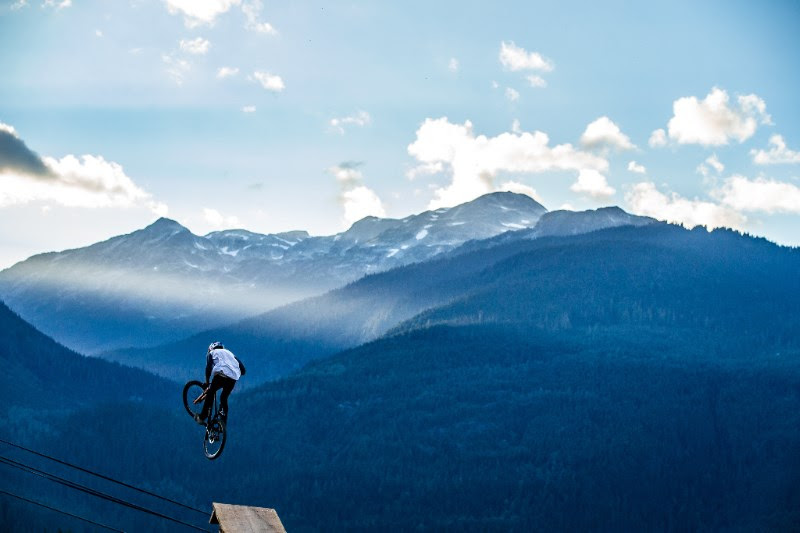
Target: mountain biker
[(226, 369)]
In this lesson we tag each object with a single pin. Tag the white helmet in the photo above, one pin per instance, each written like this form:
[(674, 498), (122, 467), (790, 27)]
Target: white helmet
[(215, 346)]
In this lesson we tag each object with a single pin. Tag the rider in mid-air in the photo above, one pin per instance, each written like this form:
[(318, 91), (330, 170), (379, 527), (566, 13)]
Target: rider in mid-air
[(226, 369)]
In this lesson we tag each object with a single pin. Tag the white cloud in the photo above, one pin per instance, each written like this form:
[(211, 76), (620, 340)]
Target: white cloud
[(218, 220), (271, 82), (515, 58), (56, 4), (755, 105), (347, 174), (85, 181), (702, 169), (520, 188), (761, 194), (713, 162), (512, 94), (249, 109), (536, 81), (360, 118), (197, 12), (426, 169), (98, 33), (453, 65), (778, 153), (657, 138), (645, 199), (604, 133), (176, 67), (633, 166), (19, 4), (8, 128), (495, 85), (357, 200), (713, 122), (360, 202), (474, 161), (252, 12), (227, 72), (516, 127), (592, 183), (198, 46)]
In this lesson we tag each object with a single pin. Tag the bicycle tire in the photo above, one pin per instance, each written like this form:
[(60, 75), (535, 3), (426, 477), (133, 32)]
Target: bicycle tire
[(192, 390), (217, 426)]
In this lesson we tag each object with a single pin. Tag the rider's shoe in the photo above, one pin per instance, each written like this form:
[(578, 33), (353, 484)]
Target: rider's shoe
[(199, 420), (222, 414)]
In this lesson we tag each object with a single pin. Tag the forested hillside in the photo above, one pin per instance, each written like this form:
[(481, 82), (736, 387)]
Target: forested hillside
[(48, 376), (488, 428), (725, 283)]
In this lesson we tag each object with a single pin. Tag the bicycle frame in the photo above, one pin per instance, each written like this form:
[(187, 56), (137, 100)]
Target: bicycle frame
[(212, 413)]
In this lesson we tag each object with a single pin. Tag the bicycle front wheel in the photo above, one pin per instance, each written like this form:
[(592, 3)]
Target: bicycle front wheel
[(192, 391), (215, 439)]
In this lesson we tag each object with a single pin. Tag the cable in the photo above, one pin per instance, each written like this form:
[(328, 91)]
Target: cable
[(101, 476), (93, 492), (60, 511)]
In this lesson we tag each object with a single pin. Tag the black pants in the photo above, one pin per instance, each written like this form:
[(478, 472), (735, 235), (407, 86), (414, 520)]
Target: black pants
[(219, 382)]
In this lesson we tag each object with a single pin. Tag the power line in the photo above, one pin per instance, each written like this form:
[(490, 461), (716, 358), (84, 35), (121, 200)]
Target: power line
[(93, 492), (59, 511), (101, 476)]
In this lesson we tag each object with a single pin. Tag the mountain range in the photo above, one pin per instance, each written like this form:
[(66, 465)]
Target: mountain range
[(164, 283), (284, 339)]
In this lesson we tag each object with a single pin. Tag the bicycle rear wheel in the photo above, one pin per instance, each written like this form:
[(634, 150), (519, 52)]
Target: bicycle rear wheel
[(191, 391), (214, 441)]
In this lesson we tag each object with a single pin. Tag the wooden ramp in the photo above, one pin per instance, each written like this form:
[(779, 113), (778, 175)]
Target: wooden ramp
[(245, 519)]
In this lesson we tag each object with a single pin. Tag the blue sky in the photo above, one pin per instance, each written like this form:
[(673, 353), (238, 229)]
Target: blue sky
[(277, 116)]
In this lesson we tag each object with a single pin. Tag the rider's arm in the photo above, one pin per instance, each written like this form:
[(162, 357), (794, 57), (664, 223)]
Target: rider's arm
[(209, 366)]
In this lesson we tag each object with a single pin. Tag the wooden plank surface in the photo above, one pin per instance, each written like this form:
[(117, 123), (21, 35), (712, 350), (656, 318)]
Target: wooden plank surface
[(246, 519)]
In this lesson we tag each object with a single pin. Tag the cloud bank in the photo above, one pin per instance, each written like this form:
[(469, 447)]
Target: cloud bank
[(85, 181), (734, 196), (761, 194), (474, 161), (645, 199)]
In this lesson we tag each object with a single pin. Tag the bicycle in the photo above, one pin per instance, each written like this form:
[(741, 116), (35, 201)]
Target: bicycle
[(194, 394)]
